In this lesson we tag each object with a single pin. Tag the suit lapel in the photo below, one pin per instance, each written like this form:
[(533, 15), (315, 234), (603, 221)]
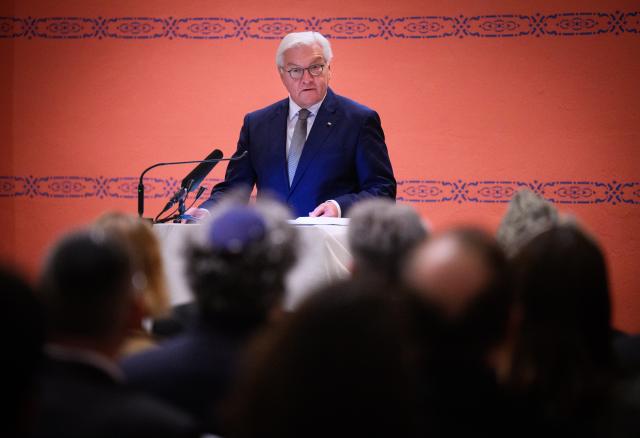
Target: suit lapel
[(322, 127), (278, 143)]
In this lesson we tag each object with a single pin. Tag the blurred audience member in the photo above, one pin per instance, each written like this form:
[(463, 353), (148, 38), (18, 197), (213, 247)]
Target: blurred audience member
[(237, 274), (89, 290), (342, 365), (145, 251), (460, 270), (381, 236), (464, 296), (627, 351), (563, 359), (22, 329), (528, 215), (175, 322)]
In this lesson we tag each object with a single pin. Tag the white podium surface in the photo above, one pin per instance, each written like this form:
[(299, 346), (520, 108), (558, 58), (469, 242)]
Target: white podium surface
[(323, 256)]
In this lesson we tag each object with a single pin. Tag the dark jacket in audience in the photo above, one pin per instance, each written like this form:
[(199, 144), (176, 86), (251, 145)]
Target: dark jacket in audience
[(627, 353), (80, 399), (192, 370), (21, 336)]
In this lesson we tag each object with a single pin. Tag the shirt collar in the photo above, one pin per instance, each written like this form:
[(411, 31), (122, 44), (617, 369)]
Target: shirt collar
[(294, 108)]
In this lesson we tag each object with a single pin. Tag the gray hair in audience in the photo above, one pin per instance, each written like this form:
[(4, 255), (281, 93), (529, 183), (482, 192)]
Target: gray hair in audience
[(527, 216), (381, 236), (242, 277)]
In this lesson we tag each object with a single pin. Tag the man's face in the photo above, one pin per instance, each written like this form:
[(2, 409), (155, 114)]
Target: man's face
[(308, 89)]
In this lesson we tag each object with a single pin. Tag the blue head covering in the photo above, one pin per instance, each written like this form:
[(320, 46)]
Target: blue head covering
[(235, 229)]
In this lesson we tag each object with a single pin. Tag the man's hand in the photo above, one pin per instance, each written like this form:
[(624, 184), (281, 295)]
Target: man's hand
[(326, 209), (198, 213)]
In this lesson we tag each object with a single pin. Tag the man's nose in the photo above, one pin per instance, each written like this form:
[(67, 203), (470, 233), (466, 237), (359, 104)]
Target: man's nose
[(306, 76)]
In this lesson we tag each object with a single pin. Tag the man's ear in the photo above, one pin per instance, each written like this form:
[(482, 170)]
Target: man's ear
[(139, 311)]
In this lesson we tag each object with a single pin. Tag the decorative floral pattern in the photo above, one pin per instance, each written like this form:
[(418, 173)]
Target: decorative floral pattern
[(433, 191), (460, 26), (560, 192)]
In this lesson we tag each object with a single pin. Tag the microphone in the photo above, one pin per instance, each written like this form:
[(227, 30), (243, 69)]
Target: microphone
[(186, 188), (197, 175), (201, 190)]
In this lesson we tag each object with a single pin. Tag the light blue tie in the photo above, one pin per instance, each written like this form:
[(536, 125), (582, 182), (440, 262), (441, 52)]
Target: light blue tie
[(297, 143)]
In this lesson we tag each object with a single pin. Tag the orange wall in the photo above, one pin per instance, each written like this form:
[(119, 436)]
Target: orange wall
[(477, 101)]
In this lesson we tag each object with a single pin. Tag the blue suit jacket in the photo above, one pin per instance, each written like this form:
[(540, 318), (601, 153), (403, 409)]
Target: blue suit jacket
[(192, 371), (344, 158)]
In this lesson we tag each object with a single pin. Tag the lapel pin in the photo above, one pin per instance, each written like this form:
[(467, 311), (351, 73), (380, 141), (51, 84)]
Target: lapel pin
[(328, 123)]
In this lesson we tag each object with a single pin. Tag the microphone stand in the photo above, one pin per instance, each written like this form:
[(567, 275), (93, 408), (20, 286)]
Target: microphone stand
[(181, 209), (171, 163), (176, 218), (183, 197)]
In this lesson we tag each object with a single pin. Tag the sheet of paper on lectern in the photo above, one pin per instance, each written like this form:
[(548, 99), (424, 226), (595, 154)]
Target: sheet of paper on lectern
[(307, 220)]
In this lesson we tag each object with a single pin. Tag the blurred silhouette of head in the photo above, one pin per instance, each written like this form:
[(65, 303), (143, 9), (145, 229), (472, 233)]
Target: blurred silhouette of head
[(564, 343), (381, 236), (88, 286), (527, 215), (237, 272), (144, 247), (340, 366), (22, 329), (463, 280)]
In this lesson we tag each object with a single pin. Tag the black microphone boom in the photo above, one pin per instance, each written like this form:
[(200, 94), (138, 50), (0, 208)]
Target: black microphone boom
[(171, 163), (197, 175)]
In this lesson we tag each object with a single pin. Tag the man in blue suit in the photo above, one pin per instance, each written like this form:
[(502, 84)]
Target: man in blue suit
[(316, 151)]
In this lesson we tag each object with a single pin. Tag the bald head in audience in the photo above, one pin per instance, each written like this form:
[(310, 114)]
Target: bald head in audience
[(454, 268), (462, 275)]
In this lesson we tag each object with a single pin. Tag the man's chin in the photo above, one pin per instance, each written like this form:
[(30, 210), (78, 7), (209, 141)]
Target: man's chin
[(308, 98)]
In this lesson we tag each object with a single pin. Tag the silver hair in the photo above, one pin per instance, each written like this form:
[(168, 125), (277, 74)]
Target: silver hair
[(527, 216), (303, 39), (382, 234)]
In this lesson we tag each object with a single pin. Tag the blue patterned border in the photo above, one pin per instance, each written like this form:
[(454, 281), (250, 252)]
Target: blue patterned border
[(89, 187), (565, 24), (418, 191), (559, 192)]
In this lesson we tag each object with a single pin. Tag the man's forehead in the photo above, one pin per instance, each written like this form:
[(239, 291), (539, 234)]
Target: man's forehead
[(314, 60), (313, 52)]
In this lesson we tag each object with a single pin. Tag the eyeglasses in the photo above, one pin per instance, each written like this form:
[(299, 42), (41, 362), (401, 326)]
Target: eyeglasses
[(298, 72)]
